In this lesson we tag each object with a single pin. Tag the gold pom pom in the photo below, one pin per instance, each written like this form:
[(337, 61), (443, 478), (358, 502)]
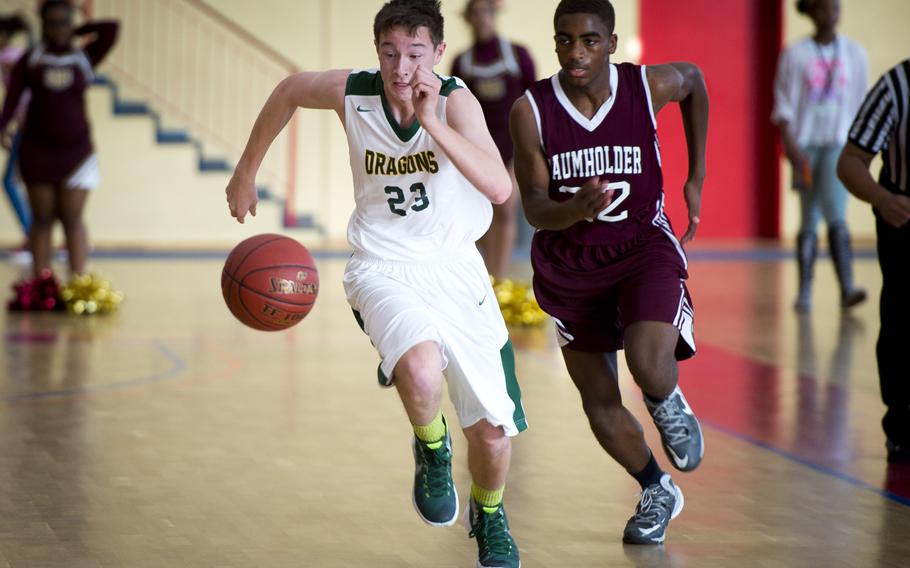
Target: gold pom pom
[(517, 303), (88, 294)]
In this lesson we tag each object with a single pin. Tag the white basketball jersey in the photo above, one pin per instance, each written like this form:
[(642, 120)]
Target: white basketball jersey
[(412, 203)]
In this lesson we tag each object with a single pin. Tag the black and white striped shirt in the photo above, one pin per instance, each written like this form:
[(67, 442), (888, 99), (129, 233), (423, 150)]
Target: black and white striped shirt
[(881, 126)]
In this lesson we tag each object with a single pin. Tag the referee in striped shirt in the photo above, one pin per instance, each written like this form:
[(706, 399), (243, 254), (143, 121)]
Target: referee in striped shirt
[(882, 126)]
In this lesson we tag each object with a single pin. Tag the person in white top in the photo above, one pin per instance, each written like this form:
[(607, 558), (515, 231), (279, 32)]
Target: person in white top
[(820, 84), (425, 172)]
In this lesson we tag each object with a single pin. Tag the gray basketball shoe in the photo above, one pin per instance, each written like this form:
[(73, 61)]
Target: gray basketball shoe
[(679, 430), (434, 493), (659, 504)]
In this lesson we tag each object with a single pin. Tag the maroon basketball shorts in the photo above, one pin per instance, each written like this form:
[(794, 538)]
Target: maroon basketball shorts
[(594, 292)]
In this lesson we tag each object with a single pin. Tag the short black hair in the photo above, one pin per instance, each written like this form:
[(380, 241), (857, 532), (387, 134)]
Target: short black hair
[(470, 5), (803, 6), (410, 14), (11, 25), (601, 8), (51, 4)]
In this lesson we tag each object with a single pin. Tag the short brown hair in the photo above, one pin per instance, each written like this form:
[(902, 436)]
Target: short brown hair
[(410, 14)]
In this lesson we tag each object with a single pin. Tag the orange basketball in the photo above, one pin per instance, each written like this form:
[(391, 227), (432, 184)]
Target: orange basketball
[(270, 282)]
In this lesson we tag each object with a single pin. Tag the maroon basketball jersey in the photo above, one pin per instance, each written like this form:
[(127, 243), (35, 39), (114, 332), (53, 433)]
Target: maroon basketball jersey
[(619, 144), (498, 72)]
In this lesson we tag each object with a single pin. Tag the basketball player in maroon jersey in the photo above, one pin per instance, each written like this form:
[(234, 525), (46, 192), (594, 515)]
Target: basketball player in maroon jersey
[(607, 265)]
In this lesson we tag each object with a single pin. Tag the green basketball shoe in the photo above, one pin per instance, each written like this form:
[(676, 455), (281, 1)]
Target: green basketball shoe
[(434, 493), (495, 546)]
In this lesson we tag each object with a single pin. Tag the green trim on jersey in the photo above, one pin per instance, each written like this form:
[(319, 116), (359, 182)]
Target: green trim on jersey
[(363, 84), (448, 86), (369, 84), (404, 134), (508, 368)]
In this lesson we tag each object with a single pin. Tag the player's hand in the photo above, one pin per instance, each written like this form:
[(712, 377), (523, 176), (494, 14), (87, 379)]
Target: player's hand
[(591, 199), (425, 87), (894, 209), (692, 193), (241, 196)]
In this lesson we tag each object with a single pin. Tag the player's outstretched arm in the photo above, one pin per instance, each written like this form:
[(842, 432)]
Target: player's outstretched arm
[(853, 170), (685, 84), (319, 90), (466, 141)]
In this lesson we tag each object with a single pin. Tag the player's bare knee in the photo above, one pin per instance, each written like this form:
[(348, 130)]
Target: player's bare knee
[(600, 407), (419, 382), (418, 377), (490, 439), (654, 372), (42, 219), (71, 223)]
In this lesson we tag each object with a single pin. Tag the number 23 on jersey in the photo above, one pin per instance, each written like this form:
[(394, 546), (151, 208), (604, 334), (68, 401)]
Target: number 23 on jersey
[(397, 198)]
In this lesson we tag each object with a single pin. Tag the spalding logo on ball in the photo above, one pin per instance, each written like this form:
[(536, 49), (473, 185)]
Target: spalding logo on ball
[(270, 282)]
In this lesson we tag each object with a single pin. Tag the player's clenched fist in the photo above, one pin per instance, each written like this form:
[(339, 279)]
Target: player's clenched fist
[(592, 198)]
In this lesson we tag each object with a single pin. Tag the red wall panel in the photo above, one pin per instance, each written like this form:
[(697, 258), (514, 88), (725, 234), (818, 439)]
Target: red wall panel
[(735, 43)]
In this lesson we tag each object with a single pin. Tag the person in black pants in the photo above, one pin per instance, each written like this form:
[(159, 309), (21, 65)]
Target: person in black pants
[(881, 126)]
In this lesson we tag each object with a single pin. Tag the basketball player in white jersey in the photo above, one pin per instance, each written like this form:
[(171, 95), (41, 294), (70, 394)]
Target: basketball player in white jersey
[(425, 172)]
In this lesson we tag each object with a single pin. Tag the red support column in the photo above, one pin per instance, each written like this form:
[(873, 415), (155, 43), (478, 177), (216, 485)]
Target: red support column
[(736, 44)]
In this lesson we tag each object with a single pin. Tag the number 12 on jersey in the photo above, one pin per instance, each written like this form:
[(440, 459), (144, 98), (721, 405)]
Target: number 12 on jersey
[(607, 214), (397, 197)]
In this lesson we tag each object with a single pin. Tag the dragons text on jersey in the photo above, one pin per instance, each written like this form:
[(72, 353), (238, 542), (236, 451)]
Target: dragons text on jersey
[(377, 163)]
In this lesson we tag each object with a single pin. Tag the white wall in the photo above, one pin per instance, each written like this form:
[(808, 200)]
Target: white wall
[(143, 181)]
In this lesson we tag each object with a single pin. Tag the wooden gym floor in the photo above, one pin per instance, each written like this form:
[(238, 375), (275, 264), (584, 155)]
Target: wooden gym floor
[(169, 435)]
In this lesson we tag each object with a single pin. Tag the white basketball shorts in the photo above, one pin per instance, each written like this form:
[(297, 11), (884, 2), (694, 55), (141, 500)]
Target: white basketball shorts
[(451, 303)]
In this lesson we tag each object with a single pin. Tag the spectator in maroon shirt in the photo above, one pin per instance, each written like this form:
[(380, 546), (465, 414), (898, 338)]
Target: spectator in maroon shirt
[(56, 159), (497, 72)]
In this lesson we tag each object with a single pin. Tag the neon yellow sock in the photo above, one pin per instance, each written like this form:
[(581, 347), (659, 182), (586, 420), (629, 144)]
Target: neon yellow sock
[(488, 498), (432, 433)]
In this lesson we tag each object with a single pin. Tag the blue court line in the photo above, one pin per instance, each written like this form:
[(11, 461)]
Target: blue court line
[(797, 458), (811, 465), (178, 364), (628, 392)]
